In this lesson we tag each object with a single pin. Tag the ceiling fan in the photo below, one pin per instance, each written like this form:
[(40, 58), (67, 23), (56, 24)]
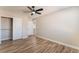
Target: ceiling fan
[(33, 11)]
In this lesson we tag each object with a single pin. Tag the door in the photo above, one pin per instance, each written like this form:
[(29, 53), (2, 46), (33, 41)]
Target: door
[(6, 28)]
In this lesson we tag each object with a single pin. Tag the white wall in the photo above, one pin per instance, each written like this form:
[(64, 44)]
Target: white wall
[(20, 21), (17, 28), (27, 28), (62, 26)]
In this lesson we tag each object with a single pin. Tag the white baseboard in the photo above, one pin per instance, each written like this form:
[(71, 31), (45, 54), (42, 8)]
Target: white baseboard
[(65, 44), (25, 37), (20, 38)]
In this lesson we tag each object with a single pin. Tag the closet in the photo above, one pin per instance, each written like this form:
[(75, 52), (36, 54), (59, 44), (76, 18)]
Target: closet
[(6, 28)]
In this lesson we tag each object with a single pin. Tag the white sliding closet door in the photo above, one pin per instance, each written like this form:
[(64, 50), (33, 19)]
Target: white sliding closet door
[(0, 30)]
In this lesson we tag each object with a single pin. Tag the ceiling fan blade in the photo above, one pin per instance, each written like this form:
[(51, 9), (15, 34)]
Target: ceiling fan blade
[(29, 8), (40, 9), (31, 13), (38, 12)]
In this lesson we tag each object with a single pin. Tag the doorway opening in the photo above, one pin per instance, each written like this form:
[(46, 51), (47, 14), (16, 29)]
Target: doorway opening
[(6, 29)]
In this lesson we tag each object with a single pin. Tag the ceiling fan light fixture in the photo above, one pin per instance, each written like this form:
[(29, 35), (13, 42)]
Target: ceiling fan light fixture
[(33, 12)]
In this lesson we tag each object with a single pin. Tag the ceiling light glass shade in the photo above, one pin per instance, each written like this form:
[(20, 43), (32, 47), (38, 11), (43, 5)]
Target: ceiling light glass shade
[(33, 12)]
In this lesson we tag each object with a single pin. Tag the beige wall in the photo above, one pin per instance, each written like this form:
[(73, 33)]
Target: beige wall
[(62, 26)]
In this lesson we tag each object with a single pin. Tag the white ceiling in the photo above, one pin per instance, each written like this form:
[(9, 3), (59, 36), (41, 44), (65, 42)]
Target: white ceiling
[(51, 9), (47, 9)]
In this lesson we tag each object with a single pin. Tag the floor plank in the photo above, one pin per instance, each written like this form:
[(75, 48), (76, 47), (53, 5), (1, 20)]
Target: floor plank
[(34, 45)]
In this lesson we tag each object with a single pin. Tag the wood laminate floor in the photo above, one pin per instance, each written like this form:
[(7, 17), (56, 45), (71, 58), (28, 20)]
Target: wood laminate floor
[(34, 45)]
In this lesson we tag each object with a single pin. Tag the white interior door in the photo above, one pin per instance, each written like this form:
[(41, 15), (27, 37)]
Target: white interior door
[(6, 28)]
